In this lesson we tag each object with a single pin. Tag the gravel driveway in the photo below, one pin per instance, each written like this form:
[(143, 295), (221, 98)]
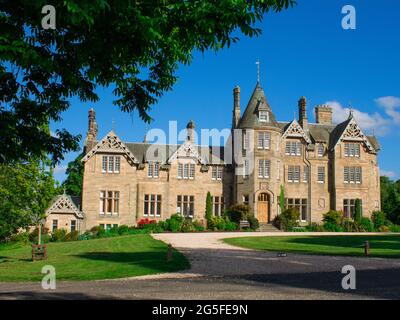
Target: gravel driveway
[(221, 271)]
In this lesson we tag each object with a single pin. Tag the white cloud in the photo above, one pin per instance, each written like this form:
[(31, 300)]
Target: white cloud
[(390, 104), (389, 174), (368, 122)]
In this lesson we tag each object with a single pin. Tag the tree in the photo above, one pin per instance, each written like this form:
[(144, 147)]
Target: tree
[(208, 207), (73, 182), (282, 199), (390, 199), (26, 190), (357, 209), (134, 47)]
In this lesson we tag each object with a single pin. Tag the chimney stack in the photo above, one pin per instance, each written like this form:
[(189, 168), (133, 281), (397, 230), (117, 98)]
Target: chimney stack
[(303, 119), (91, 135), (323, 114), (190, 131), (236, 107)]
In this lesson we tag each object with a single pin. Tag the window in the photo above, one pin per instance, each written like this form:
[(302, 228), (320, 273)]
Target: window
[(245, 141), (294, 174), (293, 148), (55, 225), (321, 174), (264, 140), (245, 199), (263, 116), (153, 169), (306, 174), (111, 164), (264, 168), (218, 206), (321, 150), (246, 168), (73, 225), (300, 205), (352, 175), (352, 149), (152, 205), (278, 170), (185, 205), (186, 170), (349, 207), (216, 173), (109, 202)]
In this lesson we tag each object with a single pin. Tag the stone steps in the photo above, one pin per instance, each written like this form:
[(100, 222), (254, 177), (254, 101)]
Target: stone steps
[(266, 227)]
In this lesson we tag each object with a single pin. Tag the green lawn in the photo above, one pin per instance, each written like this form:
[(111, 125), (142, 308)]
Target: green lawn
[(107, 258), (387, 246)]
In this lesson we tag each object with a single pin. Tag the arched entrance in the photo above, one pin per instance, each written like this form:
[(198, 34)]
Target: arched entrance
[(263, 208)]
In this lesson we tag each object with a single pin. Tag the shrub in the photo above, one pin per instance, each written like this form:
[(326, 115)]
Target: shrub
[(314, 227), (209, 209), (366, 224), (379, 219), (358, 212), (332, 227), (254, 224), (58, 235), (348, 225), (21, 237), (333, 217), (101, 233), (384, 229), (231, 226), (72, 236), (198, 226), (144, 222), (174, 223), (187, 226), (394, 228), (123, 229), (238, 212), (33, 236), (88, 235), (288, 219)]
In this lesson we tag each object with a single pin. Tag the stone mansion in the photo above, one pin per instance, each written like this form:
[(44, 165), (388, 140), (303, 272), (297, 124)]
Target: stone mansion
[(320, 166)]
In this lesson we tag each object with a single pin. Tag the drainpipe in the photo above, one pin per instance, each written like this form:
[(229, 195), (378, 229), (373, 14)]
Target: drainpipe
[(309, 186)]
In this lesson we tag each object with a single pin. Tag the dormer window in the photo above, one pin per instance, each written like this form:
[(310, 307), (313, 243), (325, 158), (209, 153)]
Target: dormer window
[(263, 116)]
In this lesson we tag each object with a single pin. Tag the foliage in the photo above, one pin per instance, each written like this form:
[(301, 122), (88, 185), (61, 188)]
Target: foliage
[(21, 237), (238, 212), (26, 190), (358, 211), (390, 199), (73, 182), (231, 226), (198, 226), (366, 225), (58, 235), (209, 211), (333, 217), (143, 222), (174, 223), (254, 224), (379, 219), (347, 225), (72, 236), (288, 219), (133, 46), (282, 199), (314, 227)]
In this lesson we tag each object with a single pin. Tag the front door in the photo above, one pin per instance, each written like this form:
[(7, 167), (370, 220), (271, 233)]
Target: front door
[(263, 208)]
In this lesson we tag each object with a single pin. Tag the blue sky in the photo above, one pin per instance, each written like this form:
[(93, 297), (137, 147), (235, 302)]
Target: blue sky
[(303, 51)]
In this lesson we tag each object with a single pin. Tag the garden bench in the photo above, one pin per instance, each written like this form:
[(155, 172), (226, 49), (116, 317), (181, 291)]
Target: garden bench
[(244, 224)]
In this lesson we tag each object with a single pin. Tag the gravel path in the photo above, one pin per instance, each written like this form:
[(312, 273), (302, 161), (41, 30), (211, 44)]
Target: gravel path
[(221, 271)]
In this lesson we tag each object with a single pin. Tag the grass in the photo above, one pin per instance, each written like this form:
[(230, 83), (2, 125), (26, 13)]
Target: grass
[(385, 246), (107, 258)]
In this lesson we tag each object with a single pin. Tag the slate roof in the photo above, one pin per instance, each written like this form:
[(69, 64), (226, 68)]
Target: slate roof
[(250, 116), (211, 154)]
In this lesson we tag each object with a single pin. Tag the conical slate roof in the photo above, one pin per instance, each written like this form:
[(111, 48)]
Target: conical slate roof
[(250, 117)]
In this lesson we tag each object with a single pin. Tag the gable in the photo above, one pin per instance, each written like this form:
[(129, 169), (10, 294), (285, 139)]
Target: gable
[(111, 144), (295, 130), (352, 132), (187, 151), (64, 204)]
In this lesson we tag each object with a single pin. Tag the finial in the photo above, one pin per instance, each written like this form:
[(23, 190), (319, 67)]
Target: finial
[(350, 110), (64, 191), (113, 124), (258, 71)]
